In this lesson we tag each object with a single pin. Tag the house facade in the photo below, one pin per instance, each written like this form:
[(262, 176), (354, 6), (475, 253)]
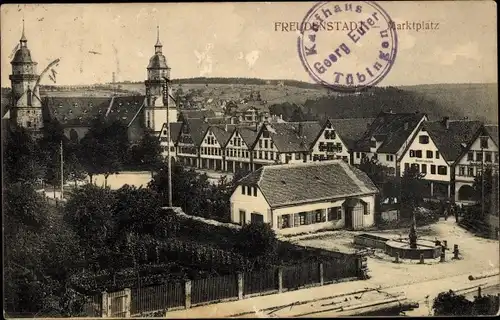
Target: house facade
[(238, 150), (304, 197), (387, 137), (480, 153)]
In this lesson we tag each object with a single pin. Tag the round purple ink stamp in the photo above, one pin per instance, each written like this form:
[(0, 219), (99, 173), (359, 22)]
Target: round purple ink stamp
[(347, 46)]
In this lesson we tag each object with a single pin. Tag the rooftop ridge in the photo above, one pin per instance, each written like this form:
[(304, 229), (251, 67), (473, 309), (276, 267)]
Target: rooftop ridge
[(361, 185), (302, 164)]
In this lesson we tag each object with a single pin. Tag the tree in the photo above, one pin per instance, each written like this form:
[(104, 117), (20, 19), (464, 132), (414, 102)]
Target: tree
[(451, 304), (483, 186), (411, 190), (72, 163), (105, 147), (257, 239), (23, 160), (189, 189), (89, 212), (148, 153)]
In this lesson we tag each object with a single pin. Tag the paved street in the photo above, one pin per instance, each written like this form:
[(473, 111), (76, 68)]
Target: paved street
[(303, 306), (408, 278)]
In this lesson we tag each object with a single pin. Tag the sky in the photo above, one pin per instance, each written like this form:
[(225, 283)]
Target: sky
[(238, 40)]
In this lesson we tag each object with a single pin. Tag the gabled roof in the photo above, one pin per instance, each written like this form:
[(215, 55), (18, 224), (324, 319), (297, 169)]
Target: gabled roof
[(294, 136), (291, 184), (390, 127), (223, 133), (197, 129), (248, 134), (452, 141), (492, 129), (79, 111), (175, 130), (350, 130)]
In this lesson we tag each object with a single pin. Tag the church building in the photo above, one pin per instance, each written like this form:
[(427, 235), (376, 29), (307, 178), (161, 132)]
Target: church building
[(141, 114), (25, 103)]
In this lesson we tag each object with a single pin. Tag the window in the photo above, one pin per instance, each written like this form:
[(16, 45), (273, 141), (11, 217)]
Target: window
[(389, 157), (249, 190), (260, 143), (242, 217), (366, 209), (461, 171), (424, 168), (437, 154), (260, 154), (487, 156), (254, 191), (357, 155), (320, 216), (496, 157), (412, 153), (265, 144), (373, 144), (284, 221), (442, 170), (272, 144), (334, 213), (303, 218), (265, 155), (429, 154), (256, 218), (414, 166), (479, 156), (423, 139), (242, 189), (470, 156), (339, 147), (470, 171), (297, 156), (433, 169), (265, 134), (407, 166), (418, 153), (484, 142)]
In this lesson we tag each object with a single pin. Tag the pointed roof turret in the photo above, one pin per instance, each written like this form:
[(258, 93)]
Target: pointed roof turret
[(23, 37), (158, 44), (23, 54)]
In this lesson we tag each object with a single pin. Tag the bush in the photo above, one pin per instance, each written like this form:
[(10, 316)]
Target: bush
[(451, 304), (257, 240)]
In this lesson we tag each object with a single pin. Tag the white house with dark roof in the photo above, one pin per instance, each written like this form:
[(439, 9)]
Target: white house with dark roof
[(337, 137), (212, 147), (387, 137), (305, 197), (476, 155), (238, 153), (434, 151), (168, 141), (288, 142)]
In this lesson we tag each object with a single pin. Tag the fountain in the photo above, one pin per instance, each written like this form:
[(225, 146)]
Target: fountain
[(412, 248)]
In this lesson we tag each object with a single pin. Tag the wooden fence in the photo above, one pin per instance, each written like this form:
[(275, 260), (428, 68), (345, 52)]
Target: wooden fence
[(145, 301)]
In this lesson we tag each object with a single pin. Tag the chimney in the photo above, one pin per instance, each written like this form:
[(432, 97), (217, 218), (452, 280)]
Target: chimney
[(446, 122), (406, 126), (225, 127), (300, 129)]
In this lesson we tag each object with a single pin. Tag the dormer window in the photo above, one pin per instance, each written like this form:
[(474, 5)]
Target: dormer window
[(75, 105), (373, 144)]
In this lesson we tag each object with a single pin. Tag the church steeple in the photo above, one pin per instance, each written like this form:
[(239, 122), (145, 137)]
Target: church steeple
[(158, 44), (23, 38)]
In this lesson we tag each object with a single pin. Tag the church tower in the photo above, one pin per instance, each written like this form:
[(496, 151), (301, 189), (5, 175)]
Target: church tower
[(159, 99), (26, 105)]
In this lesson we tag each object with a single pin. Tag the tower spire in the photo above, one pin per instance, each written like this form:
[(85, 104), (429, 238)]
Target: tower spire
[(158, 44), (23, 37)]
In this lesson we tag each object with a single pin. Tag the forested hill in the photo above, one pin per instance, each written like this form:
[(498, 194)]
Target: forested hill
[(457, 101)]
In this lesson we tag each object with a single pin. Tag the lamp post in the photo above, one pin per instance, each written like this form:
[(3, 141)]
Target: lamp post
[(62, 170), (169, 164)]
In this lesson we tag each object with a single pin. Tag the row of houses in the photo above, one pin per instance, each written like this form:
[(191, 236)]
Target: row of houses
[(450, 153)]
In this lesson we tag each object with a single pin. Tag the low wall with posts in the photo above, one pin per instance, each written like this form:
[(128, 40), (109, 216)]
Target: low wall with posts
[(156, 300)]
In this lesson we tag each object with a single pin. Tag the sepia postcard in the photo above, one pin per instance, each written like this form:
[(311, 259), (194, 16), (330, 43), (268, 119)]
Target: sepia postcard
[(250, 159)]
